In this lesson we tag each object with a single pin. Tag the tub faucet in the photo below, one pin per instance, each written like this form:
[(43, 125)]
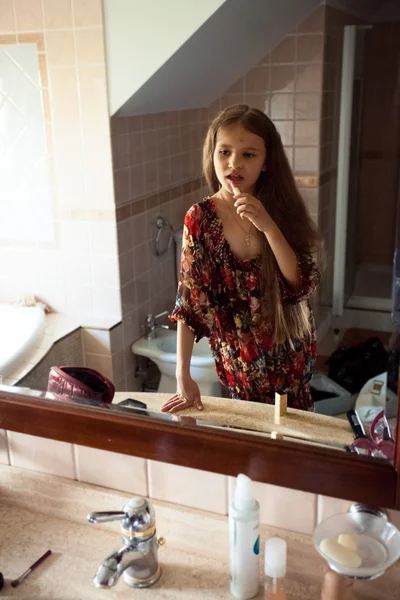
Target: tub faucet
[(137, 559), (151, 324)]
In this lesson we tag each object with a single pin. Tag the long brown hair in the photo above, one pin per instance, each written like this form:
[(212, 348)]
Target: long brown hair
[(276, 189)]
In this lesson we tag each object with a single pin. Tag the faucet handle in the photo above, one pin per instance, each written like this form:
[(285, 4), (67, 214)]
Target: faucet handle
[(104, 517)]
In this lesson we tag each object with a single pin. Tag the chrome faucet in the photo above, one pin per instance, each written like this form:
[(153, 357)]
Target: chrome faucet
[(151, 325), (137, 559)]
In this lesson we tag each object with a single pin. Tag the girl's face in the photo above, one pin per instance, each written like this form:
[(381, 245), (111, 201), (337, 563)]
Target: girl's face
[(239, 157)]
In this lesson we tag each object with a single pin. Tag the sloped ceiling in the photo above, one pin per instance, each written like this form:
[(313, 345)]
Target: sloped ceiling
[(222, 49), (233, 38)]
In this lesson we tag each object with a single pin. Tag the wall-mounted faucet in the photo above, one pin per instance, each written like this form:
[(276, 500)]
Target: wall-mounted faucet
[(138, 557), (151, 325)]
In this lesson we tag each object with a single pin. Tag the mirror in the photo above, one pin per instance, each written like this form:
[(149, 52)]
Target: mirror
[(103, 260)]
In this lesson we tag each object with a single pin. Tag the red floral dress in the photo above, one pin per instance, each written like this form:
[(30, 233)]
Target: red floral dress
[(219, 298)]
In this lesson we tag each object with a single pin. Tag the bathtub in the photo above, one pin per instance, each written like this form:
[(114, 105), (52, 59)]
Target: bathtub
[(21, 328)]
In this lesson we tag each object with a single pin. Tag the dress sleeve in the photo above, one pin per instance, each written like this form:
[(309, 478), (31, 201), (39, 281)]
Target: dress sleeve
[(192, 305), (310, 278)]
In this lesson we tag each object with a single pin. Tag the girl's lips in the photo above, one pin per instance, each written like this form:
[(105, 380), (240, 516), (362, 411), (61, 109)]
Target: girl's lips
[(235, 177)]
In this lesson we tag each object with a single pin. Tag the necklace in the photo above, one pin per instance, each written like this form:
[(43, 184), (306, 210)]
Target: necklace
[(247, 237)]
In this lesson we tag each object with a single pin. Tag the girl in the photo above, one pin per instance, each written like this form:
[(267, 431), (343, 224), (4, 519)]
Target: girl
[(249, 264)]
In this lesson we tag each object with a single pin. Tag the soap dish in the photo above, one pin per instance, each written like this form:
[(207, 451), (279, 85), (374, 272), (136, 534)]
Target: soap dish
[(377, 541)]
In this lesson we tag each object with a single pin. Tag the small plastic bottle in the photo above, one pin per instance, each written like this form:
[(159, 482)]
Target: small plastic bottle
[(275, 569), (244, 541)]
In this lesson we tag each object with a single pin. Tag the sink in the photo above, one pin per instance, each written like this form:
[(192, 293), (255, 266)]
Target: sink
[(162, 351)]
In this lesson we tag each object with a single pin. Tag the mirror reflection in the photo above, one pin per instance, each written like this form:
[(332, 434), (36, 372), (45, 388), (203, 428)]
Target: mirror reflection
[(257, 206)]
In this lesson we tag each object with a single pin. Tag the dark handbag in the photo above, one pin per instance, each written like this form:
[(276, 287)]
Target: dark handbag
[(353, 367), (80, 382)]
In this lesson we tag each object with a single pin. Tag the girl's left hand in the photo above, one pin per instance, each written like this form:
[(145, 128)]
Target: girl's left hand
[(249, 207)]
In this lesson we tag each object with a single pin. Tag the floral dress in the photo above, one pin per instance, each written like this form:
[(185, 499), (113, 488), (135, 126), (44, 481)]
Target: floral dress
[(219, 298)]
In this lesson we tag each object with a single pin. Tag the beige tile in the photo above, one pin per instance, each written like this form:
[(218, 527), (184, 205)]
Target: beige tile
[(107, 302), (306, 160), (8, 38), (89, 46), (285, 129), (4, 458), (307, 133), (101, 363), (96, 341), (32, 38), (308, 106), (60, 49), (285, 52), (57, 15), (41, 454), (257, 80), (189, 487), (311, 199), (126, 267), (282, 106), (282, 507), (111, 470), (282, 78), (310, 48), (327, 507), (87, 13), (7, 21), (28, 15), (105, 272), (309, 78)]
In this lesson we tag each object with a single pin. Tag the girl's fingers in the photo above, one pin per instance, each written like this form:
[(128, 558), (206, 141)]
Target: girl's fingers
[(198, 403)]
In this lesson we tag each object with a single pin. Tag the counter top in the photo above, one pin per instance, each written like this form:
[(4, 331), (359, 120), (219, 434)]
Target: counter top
[(40, 512), (258, 418)]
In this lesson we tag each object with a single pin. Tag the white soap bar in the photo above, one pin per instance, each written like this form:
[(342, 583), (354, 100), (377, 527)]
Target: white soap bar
[(340, 554), (349, 540)]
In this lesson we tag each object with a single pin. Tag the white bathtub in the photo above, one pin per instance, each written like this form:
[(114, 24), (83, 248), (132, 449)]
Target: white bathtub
[(21, 328)]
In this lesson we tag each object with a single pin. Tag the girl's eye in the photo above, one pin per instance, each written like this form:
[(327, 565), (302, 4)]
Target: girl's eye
[(249, 155), (224, 152)]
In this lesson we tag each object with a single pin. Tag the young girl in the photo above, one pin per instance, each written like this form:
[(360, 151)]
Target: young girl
[(249, 264)]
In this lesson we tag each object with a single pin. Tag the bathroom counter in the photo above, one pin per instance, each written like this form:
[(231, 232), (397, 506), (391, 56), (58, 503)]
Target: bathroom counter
[(40, 512), (259, 418)]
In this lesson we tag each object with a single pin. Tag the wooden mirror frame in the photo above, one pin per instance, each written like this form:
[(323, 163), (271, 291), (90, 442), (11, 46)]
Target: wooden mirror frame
[(295, 465)]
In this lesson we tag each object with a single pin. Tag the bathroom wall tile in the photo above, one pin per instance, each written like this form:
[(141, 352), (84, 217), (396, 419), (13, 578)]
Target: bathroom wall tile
[(285, 129), (89, 46), (310, 48), (306, 160), (107, 302), (7, 20), (327, 507), (188, 487), (282, 106), (311, 199), (87, 13), (41, 454), (309, 78), (28, 15), (257, 80), (4, 457), (260, 101), (307, 133), (282, 78), (100, 363), (96, 341), (308, 106), (111, 470), (60, 49), (57, 15), (105, 272), (285, 52), (283, 507)]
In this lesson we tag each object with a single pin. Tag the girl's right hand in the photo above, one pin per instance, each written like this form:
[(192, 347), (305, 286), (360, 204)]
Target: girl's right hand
[(188, 395)]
